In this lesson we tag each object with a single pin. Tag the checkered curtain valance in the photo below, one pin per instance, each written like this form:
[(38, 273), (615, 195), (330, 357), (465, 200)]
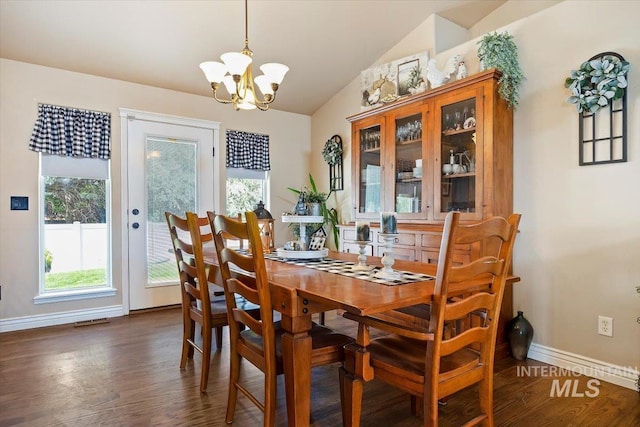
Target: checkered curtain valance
[(247, 150), (72, 132)]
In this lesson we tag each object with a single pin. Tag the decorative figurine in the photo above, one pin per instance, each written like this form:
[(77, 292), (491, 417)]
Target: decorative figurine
[(438, 78), (462, 71), (301, 206)]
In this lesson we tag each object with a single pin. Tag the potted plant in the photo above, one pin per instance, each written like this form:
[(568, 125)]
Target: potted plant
[(500, 52), (312, 197), (48, 260), (315, 201)]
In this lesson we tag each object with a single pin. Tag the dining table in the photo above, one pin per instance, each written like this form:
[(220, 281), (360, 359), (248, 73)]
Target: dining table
[(299, 291)]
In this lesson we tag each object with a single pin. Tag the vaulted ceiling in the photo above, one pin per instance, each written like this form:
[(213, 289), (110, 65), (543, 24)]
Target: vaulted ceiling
[(161, 43)]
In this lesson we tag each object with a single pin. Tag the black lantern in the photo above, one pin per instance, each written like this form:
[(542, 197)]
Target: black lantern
[(261, 212), (266, 223)]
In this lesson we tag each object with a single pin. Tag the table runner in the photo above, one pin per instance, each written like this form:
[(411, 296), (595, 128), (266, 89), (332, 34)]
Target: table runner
[(337, 266)]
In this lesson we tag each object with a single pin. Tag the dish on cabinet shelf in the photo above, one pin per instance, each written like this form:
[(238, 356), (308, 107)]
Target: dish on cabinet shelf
[(469, 123)]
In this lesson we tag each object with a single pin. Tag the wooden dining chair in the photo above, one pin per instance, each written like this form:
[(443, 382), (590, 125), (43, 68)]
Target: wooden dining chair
[(426, 362), (259, 341), (188, 236)]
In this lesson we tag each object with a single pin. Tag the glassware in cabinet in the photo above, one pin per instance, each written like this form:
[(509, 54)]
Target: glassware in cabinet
[(408, 156), (459, 154), (370, 169)]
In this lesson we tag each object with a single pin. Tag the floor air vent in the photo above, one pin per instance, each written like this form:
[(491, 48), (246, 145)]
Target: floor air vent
[(91, 322)]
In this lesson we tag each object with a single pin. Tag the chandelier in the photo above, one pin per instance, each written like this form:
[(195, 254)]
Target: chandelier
[(237, 76)]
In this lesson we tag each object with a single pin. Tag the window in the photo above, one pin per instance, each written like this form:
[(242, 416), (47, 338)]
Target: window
[(75, 228), (245, 188), (75, 225), (247, 171)]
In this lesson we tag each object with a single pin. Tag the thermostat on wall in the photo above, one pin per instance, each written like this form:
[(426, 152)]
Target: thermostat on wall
[(19, 203)]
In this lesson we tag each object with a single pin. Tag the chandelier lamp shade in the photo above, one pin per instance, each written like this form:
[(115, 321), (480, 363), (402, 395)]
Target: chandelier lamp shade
[(236, 73)]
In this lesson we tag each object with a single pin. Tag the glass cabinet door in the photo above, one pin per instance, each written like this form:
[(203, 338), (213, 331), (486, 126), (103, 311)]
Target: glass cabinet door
[(370, 171), (408, 165), (458, 145)]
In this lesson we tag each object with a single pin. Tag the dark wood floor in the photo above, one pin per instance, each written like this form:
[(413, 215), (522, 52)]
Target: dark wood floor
[(125, 373)]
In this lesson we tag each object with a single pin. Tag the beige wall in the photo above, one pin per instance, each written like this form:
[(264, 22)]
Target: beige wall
[(23, 86), (510, 11), (578, 251)]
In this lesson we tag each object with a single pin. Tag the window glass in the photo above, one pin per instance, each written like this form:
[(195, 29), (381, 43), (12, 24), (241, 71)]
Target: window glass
[(75, 233), (172, 185), (245, 188), (75, 245)]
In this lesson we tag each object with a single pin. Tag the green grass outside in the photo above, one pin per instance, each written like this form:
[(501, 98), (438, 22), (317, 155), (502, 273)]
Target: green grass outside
[(98, 277), (163, 271), (75, 279)]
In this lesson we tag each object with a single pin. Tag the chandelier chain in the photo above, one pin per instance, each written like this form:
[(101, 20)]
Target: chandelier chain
[(246, 24)]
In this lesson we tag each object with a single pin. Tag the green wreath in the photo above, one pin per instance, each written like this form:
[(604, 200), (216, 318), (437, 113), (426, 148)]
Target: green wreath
[(332, 151), (597, 82)]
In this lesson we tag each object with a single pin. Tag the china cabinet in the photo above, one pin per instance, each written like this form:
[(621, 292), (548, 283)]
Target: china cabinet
[(447, 149)]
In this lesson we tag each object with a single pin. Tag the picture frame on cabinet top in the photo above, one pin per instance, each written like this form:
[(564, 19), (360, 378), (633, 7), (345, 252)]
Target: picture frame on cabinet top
[(379, 84)]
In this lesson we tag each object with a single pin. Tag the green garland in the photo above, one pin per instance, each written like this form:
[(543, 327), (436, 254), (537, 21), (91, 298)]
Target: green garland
[(597, 82)]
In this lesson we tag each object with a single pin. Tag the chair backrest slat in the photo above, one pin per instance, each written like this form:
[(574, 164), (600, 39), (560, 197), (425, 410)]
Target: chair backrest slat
[(460, 309), (485, 265), (464, 339)]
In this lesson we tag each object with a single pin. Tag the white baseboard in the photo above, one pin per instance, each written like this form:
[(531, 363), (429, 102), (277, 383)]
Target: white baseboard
[(61, 318), (625, 376)]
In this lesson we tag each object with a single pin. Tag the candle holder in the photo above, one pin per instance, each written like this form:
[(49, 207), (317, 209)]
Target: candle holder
[(362, 258), (387, 259)]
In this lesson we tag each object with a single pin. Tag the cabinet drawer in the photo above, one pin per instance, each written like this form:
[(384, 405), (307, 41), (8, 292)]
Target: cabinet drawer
[(431, 240), (349, 234), (399, 253), (408, 239), (355, 249)]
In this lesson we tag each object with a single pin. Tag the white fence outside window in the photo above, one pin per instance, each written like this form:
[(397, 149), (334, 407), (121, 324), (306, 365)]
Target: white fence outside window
[(76, 246)]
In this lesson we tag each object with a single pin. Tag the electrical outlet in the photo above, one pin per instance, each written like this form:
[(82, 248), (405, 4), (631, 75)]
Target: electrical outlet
[(605, 326)]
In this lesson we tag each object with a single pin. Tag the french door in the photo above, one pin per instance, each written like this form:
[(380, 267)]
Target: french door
[(170, 167)]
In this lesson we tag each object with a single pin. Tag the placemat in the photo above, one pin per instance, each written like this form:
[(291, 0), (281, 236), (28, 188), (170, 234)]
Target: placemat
[(345, 268)]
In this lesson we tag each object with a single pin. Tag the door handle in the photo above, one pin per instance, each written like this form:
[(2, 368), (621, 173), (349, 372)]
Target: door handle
[(135, 225), (135, 211)]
